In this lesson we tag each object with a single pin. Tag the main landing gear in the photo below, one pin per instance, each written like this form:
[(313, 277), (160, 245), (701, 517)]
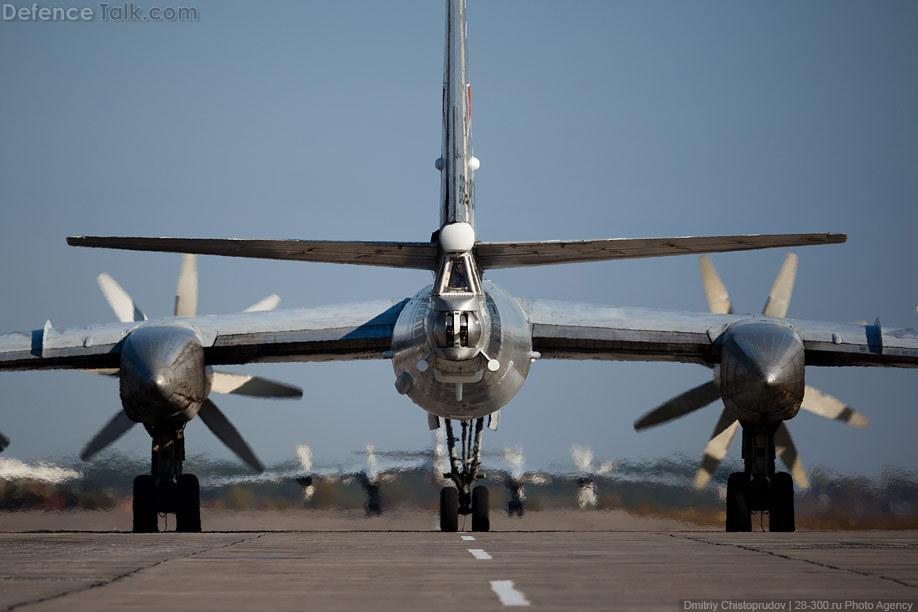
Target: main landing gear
[(515, 505), (759, 488), (464, 499), (373, 505), (166, 488)]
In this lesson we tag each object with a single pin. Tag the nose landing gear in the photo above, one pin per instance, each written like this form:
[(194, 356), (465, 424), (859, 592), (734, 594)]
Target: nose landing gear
[(464, 499)]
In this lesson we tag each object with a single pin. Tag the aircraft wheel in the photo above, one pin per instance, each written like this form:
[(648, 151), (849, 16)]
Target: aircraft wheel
[(144, 506), (449, 509), (373, 506), (739, 517), (480, 520), (781, 503), (188, 504)]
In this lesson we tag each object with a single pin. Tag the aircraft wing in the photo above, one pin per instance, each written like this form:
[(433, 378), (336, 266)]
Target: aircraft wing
[(421, 255), (564, 330), (492, 255), (343, 332), (489, 255)]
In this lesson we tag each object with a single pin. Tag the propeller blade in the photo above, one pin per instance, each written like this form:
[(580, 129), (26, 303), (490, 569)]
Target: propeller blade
[(269, 303), (217, 422), (304, 454), (716, 449), (4, 442), (103, 371), (125, 308), (690, 401), (114, 429), (780, 295), (830, 407), (583, 457), (714, 290), (252, 386), (186, 292), (784, 447)]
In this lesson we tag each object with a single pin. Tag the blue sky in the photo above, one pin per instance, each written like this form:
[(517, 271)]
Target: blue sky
[(591, 119)]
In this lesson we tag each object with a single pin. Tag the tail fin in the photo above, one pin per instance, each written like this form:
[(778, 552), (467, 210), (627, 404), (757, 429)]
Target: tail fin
[(457, 164)]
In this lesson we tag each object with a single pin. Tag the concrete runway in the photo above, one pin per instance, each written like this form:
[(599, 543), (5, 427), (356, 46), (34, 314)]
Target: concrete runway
[(344, 569)]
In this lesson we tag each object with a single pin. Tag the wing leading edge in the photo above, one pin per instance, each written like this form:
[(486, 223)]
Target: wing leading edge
[(564, 330)]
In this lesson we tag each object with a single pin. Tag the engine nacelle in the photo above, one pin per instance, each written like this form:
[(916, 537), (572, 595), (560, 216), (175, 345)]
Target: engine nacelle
[(762, 371), (163, 377)]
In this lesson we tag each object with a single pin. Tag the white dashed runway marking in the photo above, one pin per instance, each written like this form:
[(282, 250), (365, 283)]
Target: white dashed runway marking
[(479, 553), (508, 595)]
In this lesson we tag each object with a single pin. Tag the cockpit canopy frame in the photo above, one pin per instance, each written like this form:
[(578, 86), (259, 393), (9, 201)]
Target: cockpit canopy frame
[(457, 275)]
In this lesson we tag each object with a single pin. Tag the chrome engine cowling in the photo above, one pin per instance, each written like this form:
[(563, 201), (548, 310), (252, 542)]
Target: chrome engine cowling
[(163, 379), (761, 373)]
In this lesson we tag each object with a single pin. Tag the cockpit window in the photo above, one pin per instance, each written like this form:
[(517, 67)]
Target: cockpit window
[(458, 279)]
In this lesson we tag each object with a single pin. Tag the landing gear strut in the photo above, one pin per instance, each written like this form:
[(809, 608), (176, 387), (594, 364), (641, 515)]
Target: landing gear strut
[(166, 488), (515, 505), (464, 499), (759, 488), (373, 505)]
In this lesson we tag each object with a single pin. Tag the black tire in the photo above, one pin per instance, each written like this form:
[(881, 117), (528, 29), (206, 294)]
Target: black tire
[(449, 509), (739, 517), (373, 506), (781, 503), (188, 504), (480, 507), (144, 505)]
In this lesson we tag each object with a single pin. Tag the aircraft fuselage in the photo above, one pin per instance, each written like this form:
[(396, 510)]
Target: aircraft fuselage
[(461, 378)]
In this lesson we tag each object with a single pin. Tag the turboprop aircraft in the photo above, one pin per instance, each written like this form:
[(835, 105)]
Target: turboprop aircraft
[(462, 347)]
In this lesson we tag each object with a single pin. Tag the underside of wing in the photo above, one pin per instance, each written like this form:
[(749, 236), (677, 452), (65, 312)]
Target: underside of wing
[(342, 332), (422, 255), (565, 330), (492, 255), (88, 348), (844, 344)]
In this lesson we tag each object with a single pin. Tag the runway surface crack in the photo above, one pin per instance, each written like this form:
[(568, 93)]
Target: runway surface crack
[(789, 558), (123, 576)]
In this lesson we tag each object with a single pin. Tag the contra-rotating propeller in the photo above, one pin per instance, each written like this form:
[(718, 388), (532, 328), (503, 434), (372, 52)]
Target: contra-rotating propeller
[(814, 400), (186, 299), (587, 473)]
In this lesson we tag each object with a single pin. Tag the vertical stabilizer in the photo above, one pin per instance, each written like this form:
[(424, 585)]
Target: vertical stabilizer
[(457, 163)]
